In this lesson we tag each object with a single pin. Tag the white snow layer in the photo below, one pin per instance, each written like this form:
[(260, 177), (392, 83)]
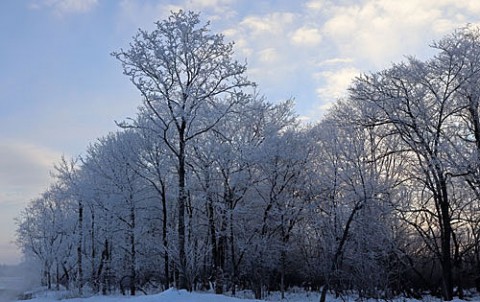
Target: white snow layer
[(173, 295)]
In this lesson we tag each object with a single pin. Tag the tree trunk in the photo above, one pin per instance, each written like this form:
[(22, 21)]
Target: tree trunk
[(79, 248), (257, 289), (94, 276), (282, 273), (323, 296), (232, 254), (213, 239), (49, 280), (337, 257), (57, 272), (446, 230), (446, 255), (164, 236), (182, 201), (220, 259), (133, 249)]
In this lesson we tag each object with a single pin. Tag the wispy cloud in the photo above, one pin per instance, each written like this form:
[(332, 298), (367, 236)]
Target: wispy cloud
[(336, 83), (313, 49), (307, 36), (64, 7), (381, 31), (216, 6), (24, 163), (314, 4), (134, 14), (142, 14)]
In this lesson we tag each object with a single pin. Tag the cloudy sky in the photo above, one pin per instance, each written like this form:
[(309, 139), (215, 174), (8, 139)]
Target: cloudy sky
[(60, 89)]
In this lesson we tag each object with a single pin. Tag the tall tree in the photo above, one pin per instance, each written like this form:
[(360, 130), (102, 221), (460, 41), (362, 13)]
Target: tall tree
[(189, 83), (416, 100), (69, 179), (113, 159)]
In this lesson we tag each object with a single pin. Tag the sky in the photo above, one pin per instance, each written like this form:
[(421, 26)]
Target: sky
[(60, 89)]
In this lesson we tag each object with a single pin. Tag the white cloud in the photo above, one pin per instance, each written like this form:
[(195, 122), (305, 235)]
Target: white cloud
[(314, 5), (307, 36), (210, 3), (472, 5), (333, 86), (336, 61), (271, 24), (268, 55), (135, 14), (62, 7), (73, 6), (265, 40), (23, 165), (213, 10), (336, 82), (379, 32), (323, 42), (218, 6)]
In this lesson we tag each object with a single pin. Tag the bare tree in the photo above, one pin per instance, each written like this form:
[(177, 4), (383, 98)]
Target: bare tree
[(416, 100), (69, 178), (189, 82)]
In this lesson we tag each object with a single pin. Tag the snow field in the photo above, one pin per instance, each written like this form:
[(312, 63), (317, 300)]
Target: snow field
[(173, 295)]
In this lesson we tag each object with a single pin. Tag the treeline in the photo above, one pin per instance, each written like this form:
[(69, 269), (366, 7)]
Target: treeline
[(210, 186)]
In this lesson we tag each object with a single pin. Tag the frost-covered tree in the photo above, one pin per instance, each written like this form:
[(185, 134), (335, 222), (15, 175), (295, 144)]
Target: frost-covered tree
[(156, 167), (189, 82), (351, 214), (282, 166), (70, 183), (431, 108), (113, 159), (45, 231)]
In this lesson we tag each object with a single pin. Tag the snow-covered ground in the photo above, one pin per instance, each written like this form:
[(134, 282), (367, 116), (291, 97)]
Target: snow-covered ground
[(166, 296), (173, 295)]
